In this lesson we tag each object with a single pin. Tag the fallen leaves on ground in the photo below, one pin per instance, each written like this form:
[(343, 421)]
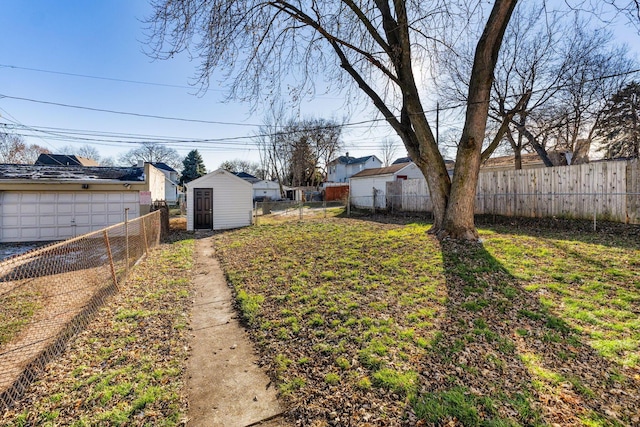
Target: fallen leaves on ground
[(374, 324), (126, 367)]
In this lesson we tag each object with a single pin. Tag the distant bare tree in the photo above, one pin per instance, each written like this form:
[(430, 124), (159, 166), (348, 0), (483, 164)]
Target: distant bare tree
[(151, 152), (388, 151), (296, 152), (87, 151), (240, 165), (14, 150), (551, 80)]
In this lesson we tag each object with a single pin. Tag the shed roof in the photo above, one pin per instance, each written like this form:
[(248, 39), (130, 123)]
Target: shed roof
[(217, 172), (381, 171), (41, 173)]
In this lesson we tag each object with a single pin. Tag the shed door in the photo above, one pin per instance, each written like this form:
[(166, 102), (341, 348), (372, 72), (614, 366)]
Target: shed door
[(203, 208)]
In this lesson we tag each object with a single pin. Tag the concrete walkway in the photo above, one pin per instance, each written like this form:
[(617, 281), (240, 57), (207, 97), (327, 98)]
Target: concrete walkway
[(225, 385)]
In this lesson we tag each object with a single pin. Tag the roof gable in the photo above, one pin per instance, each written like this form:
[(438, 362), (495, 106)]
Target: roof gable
[(389, 170), (64, 160), (218, 172), (163, 166), (347, 160)]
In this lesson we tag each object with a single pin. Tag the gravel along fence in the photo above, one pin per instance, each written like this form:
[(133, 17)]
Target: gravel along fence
[(49, 294)]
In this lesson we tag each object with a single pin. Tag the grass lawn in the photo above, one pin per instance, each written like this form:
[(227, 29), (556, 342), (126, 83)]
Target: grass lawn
[(366, 323), (127, 367)]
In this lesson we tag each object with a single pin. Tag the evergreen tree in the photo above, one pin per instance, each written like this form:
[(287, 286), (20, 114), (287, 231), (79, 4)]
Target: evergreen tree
[(619, 126), (193, 167)]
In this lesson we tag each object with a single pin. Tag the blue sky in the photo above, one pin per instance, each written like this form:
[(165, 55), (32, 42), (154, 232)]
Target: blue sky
[(103, 38), (106, 39)]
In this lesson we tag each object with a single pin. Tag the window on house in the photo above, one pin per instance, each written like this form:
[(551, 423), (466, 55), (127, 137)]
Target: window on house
[(399, 177)]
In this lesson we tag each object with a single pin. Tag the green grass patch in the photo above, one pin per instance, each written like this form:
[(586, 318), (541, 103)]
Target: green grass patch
[(372, 301), (17, 310), (127, 367)]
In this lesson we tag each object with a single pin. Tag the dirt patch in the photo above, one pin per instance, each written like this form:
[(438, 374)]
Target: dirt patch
[(178, 224)]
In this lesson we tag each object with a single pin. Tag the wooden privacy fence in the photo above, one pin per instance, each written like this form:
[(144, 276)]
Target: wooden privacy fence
[(601, 190)]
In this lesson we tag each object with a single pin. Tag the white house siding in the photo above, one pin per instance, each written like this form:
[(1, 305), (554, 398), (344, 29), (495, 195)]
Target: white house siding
[(371, 163), (156, 183), (170, 191), (340, 172), (361, 188), (27, 216), (232, 200), (266, 189)]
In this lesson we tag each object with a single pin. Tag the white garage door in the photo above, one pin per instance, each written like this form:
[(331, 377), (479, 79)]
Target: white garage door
[(43, 216)]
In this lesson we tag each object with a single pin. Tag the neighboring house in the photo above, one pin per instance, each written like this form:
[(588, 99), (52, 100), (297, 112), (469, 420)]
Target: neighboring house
[(219, 200), (262, 189), (171, 185), (267, 190), (529, 161), (402, 160), (532, 161), (342, 168), (44, 203), (64, 160), (247, 177), (368, 188)]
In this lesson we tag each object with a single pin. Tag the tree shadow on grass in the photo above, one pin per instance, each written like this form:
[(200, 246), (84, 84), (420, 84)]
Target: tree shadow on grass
[(503, 358), (612, 234)]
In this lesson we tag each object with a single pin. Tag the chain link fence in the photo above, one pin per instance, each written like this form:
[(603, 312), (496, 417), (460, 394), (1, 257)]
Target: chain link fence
[(49, 294), (278, 211)]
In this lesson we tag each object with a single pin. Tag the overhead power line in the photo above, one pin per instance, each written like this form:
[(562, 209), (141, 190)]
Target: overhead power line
[(112, 79), (127, 113)]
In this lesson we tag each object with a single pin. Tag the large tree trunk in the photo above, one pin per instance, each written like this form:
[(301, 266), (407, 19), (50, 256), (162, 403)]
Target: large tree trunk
[(459, 215)]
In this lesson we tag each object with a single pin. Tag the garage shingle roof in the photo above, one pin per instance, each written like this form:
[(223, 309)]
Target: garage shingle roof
[(69, 173)]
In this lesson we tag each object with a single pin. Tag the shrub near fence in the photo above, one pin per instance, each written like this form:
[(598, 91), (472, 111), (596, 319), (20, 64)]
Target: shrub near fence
[(49, 294)]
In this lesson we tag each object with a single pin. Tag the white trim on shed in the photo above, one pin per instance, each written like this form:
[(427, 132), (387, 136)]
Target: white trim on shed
[(232, 200)]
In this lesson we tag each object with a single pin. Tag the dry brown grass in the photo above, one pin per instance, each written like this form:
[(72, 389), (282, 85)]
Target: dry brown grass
[(179, 223)]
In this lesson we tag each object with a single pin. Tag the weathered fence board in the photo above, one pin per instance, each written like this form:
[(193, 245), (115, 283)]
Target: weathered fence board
[(604, 190)]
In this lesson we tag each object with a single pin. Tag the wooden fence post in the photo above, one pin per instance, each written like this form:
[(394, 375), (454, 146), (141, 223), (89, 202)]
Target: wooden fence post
[(144, 236), (111, 265), (126, 241)]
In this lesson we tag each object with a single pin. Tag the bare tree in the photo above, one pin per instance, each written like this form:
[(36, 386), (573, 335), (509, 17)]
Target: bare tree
[(552, 78), (388, 151), (372, 46), (267, 139), (151, 152), (86, 151), (297, 152), (240, 165), (14, 150)]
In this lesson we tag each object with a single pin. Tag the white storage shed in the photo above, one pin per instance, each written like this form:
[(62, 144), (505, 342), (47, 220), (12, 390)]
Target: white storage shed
[(219, 200)]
